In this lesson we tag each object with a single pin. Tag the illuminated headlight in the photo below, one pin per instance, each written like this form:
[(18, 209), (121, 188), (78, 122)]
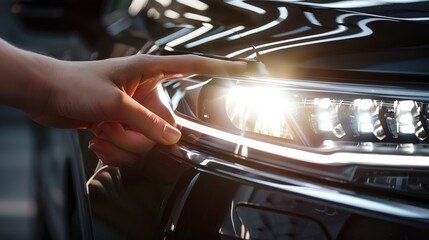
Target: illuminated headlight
[(257, 110), (324, 123)]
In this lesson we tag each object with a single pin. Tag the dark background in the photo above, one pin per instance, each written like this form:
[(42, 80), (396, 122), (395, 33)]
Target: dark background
[(18, 175)]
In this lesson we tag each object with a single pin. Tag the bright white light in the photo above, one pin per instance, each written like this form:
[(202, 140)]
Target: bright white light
[(407, 129), (407, 105), (367, 128), (328, 144), (259, 110), (339, 158), (323, 103), (182, 32), (196, 4), (153, 13), (364, 118), (326, 117), (136, 6), (197, 17), (364, 3), (364, 104), (167, 48), (310, 16), (365, 111), (247, 6), (340, 29), (171, 14), (324, 114), (325, 126), (214, 37), (283, 13), (405, 119), (406, 113), (363, 24), (164, 3), (194, 34)]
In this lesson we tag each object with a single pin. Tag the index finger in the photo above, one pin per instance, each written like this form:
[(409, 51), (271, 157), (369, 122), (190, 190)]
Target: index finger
[(192, 64)]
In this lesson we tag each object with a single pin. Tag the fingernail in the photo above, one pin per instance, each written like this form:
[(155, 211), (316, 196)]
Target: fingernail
[(171, 134)]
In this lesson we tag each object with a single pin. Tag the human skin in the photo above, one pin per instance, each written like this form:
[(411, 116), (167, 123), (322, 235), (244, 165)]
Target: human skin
[(114, 98)]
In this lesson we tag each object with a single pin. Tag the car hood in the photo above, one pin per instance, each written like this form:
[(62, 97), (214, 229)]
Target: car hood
[(288, 36)]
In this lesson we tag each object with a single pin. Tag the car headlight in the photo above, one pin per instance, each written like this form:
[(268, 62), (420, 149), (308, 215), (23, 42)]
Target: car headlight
[(291, 122)]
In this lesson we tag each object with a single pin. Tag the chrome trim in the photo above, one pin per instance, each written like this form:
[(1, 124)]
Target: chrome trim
[(284, 183)]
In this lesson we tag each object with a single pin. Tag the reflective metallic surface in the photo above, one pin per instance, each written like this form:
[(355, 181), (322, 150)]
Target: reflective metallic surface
[(212, 198), (290, 35)]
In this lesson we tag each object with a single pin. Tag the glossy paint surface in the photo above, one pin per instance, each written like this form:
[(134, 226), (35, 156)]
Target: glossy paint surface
[(291, 35)]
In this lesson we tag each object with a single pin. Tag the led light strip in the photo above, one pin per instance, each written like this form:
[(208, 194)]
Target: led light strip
[(295, 154)]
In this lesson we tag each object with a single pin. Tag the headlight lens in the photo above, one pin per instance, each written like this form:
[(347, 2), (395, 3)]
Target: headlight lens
[(257, 110), (325, 123)]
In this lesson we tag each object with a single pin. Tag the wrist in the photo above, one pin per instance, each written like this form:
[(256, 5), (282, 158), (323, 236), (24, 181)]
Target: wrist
[(37, 82)]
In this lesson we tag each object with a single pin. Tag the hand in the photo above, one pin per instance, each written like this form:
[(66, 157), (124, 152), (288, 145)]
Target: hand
[(117, 99)]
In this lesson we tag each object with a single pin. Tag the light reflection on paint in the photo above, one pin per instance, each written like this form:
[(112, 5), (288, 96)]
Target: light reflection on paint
[(196, 33), (171, 14), (136, 6), (366, 31), (185, 30), (197, 17), (310, 16), (214, 37), (196, 4), (245, 5), (354, 3), (296, 31), (153, 13), (283, 13), (164, 3), (340, 29)]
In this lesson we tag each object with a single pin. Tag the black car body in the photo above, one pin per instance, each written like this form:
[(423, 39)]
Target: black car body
[(350, 160)]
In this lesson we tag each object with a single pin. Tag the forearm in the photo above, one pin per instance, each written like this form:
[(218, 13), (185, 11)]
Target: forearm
[(22, 74)]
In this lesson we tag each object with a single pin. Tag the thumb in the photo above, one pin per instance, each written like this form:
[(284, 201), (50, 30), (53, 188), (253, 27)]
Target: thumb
[(148, 123)]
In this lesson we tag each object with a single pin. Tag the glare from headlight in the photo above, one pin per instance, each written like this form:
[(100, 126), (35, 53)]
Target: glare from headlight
[(327, 117), (406, 113), (259, 110), (366, 114)]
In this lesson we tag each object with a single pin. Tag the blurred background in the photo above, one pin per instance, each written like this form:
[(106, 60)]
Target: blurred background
[(18, 175)]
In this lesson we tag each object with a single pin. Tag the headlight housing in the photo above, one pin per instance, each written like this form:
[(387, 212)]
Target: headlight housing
[(364, 133)]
